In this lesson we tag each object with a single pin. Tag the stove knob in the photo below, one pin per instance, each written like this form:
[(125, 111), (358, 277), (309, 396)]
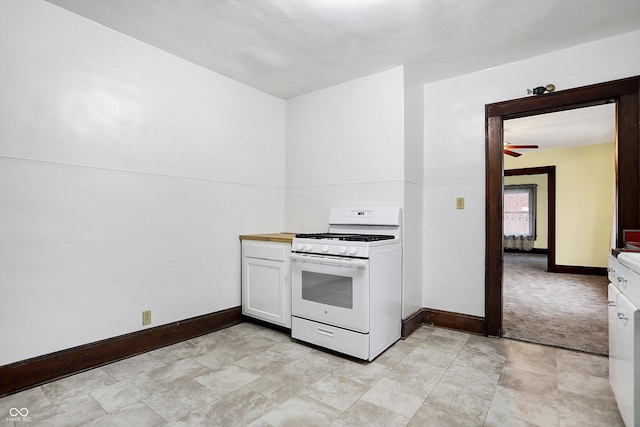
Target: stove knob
[(342, 250), (325, 248), (308, 247), (352, 250), (300, 246)]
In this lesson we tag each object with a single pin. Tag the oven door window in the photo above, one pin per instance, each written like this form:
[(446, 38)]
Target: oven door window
[(331, 293), (327, 289)]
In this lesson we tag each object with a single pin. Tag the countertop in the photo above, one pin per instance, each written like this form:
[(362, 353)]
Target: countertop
[(631, 260), (270, 237)]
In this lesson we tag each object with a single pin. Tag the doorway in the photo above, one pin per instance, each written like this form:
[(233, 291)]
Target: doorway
[(625, 93), (550, 173), (539, 304)]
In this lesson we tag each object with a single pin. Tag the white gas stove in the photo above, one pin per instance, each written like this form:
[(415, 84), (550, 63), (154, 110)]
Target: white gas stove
[(341, 244), (346, 284)]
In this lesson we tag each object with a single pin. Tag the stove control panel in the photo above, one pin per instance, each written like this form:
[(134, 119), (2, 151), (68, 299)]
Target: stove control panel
[(361, 214), (339, 250)]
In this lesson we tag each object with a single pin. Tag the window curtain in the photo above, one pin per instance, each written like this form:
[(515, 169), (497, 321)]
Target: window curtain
[(523, 243), (520, 216)]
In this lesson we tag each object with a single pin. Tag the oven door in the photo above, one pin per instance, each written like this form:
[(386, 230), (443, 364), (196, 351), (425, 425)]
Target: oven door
[(331, 290)]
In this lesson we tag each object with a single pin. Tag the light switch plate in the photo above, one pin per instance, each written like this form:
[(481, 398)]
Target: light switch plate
[(459, 202)]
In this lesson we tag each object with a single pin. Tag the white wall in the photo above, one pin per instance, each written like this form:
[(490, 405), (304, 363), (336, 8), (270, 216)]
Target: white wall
[(413, 191), (585, 200), (346, 147), (126, 176), (454, 157)]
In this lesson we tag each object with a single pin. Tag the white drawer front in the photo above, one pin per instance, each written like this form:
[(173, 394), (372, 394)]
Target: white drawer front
[(628, 282), (614, 267), (266, 250), (348, 342)]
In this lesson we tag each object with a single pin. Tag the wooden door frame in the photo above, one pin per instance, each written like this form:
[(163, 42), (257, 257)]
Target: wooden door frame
[(626, 94), (550, 171)]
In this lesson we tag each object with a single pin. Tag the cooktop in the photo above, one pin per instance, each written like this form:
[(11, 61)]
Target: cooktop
[(346, 237)]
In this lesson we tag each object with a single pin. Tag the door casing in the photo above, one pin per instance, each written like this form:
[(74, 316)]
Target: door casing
[(626, 94)]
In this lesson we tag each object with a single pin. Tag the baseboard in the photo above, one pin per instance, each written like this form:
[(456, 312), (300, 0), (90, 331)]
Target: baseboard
[(265, 324), (457, 321), (411, 323), (574, 269), (29, 373), (540, 251), (444, 319)]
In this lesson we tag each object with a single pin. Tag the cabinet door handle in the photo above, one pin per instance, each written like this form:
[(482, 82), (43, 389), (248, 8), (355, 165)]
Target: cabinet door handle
[(622, 317), (612, 303), (326, 332)]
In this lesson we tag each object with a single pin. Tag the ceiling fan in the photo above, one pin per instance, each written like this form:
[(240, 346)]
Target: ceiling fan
[(507, 149)]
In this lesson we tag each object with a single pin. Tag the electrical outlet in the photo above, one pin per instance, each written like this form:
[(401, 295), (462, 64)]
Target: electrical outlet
[(146, 317), (459, 202)]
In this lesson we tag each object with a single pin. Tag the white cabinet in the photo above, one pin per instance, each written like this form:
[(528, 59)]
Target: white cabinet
[(624, 340), (266, 281), (614, 338)]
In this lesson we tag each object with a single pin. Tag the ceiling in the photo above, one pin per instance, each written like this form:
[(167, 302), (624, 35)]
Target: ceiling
[(564, 129), (290, 47)]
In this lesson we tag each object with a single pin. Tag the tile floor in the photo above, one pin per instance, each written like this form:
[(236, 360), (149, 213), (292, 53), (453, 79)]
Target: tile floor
[(251, 375)]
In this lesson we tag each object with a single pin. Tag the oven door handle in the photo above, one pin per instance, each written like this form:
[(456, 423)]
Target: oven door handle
[(338, 262)]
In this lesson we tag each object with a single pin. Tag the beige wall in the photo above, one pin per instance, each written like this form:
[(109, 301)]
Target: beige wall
[(585, 178), (542, 217)]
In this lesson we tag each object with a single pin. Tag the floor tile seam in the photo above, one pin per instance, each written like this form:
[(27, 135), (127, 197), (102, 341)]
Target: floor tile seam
[(277, 404), (394, 410), (138, 402), (451, 349), (581, 377), (526, 371), (201, 409), (45, 395), (203, 365), (552, 403), (484, 353), (424, 402), (101, 407), (531, 371), (459, 414), (56, 408), (608, 399), (444, 381), (337, 409), (138, 399), (160, 415), (417, 409), (556, 389), (50, 385), (111, 376), (496, 410), (440, 352), (302, 396)]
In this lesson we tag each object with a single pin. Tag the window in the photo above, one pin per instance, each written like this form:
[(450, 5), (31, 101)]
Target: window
[(520, 210)]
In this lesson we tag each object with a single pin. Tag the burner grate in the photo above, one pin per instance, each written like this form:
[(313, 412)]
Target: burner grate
[(367, 237), (346, 237)]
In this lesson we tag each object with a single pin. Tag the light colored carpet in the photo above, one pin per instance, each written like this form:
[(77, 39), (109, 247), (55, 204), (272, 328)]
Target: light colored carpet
[(562, 310)]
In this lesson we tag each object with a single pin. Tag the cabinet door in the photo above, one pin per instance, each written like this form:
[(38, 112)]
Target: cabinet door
[(263, 290), (614, 357), (627, 350)]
